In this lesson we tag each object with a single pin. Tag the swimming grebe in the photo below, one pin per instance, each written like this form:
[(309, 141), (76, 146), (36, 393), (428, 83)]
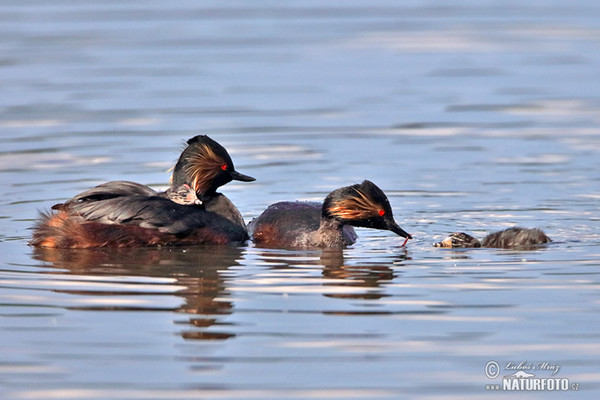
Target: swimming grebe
[(126, 214), (205, 166), (511, 238), (309, 224)]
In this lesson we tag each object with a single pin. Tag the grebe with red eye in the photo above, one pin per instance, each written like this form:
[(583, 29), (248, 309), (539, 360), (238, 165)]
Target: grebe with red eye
[(127, 214), (309, 224), (205, 166)]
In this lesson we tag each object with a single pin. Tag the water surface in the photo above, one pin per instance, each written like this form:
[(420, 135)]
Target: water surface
[(471, 117)]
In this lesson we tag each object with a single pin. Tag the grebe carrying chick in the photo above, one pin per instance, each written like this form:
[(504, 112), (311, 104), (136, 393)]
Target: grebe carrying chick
[(310, 224), (129, 214)]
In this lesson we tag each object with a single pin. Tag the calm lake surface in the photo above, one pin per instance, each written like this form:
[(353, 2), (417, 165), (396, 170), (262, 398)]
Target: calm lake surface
[(472, 116)]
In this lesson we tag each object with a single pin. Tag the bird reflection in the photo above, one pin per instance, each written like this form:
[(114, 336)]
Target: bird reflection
[(198, 269), (369, 276)]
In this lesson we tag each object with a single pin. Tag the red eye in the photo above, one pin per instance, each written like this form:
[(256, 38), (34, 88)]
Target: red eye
[(381, 213), (224, 167)]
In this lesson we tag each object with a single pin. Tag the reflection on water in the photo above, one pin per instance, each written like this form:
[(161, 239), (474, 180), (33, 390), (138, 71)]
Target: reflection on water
[(195, 274), (370, 277), (470, 116)]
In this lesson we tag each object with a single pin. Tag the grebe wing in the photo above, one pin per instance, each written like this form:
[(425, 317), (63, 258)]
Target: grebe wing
[(110, 190), (151, 212)]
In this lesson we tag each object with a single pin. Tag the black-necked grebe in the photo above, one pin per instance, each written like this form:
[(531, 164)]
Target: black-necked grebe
[(511, 238), (126, 214), (205, 166), (308, 224)]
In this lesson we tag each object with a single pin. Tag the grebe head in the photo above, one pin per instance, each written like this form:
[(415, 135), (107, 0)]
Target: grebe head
[(183, 194), (458, 239), (205, 165), (362, 205)]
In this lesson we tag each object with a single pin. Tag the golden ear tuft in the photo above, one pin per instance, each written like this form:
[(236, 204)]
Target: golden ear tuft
[(202, 167), (356, 207)]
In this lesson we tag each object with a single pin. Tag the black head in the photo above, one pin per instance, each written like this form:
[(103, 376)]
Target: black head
[(205, 165), (363, 205)]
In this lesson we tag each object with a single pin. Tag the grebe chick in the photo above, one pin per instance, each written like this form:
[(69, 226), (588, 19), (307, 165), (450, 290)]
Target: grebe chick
[(183, 194), (511, 238), (126, 214), (309, 224)]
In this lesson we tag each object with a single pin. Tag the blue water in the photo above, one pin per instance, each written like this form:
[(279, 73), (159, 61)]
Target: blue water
[(471, 116)]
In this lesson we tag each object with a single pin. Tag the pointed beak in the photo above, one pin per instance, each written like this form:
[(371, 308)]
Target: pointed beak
[(392, 226), (236, 176)]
